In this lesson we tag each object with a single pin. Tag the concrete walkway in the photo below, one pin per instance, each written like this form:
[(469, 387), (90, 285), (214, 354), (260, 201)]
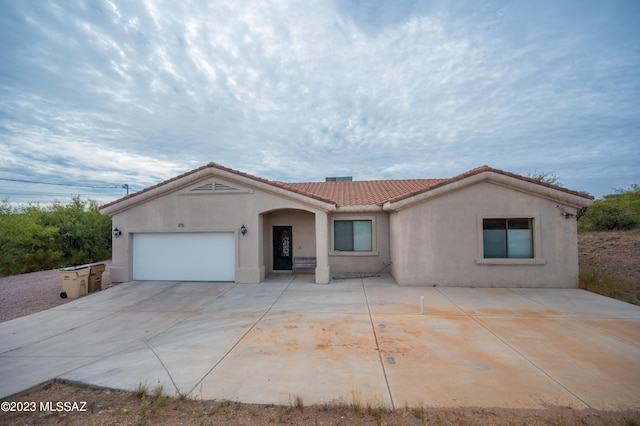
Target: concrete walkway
[(361, 341)]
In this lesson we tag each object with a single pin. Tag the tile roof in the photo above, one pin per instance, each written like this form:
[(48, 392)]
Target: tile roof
[(378, 192), (367, 192), (358, 193)]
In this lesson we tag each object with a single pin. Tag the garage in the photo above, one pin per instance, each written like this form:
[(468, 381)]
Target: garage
[(203, 256)]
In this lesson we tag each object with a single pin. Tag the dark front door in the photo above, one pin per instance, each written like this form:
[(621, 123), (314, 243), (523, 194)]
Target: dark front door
[(282, 248)]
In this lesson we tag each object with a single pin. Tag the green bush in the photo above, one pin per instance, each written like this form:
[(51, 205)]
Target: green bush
[(603, 216), (619, 211), (35, 238)]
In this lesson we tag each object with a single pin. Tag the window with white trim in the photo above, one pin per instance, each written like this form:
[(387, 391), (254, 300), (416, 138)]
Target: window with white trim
[(352, 235), (508, 238)]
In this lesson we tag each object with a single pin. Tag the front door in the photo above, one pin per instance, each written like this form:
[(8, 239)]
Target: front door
[(282, 248)]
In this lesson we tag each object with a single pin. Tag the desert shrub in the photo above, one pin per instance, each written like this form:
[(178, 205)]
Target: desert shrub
[(35, 238), (83, 233), (607, 217), (619, 211)]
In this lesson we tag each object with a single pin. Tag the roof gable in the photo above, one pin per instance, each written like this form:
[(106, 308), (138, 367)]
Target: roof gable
[(501, 177)]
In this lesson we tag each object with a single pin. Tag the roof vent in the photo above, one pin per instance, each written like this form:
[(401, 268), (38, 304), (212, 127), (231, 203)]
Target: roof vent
[(339, 179)]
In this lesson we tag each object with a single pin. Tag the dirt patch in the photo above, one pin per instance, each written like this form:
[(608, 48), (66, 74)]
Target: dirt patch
[(612, 261), (109, 407)]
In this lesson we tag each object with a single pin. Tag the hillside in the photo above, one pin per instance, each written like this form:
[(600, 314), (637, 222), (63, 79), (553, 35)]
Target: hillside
[(610, 264)]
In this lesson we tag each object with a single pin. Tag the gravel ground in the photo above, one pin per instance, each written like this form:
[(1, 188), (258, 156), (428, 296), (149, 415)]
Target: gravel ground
[(30, 293)]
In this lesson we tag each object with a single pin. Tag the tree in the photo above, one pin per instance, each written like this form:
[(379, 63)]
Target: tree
[(545, 176)]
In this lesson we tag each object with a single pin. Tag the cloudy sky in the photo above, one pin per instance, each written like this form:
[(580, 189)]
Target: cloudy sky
[(99, 93)]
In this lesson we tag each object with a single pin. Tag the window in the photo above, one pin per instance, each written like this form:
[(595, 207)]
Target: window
[(352, 235), (507, 238)]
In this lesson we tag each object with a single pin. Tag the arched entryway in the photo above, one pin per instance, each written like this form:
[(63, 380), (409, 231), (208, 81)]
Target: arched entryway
[(287, 233), (296, 233)]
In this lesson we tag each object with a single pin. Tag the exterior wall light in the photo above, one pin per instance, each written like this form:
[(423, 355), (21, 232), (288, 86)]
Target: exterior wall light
[(243, 230), (563, 212), (117, 232)]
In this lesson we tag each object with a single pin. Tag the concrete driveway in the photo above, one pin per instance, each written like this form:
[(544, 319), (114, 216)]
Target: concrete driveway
[(359, 341)]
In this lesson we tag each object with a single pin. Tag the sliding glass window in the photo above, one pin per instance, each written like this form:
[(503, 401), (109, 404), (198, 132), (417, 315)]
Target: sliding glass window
[(508, 238), (352, 235)]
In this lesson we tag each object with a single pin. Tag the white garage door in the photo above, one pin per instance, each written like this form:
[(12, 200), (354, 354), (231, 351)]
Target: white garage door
[(184, 256)]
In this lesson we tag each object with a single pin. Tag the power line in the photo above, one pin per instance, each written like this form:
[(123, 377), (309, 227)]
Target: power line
[(27, 193), (60, 184)]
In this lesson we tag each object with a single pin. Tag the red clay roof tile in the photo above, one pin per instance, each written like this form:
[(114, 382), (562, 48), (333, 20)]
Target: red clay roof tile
[(368, 192)]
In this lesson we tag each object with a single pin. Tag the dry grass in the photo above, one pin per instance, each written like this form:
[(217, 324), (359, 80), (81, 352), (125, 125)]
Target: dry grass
[(144, 406), (607, 285)]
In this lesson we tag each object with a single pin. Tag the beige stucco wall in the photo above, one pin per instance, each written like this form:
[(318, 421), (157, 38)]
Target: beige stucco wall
[(433, 238), (439, 242), (258, 210)]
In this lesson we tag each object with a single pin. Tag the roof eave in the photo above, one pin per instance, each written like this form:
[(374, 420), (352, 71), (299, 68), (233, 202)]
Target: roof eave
[(204, 172), (361, 208), (550, 192)]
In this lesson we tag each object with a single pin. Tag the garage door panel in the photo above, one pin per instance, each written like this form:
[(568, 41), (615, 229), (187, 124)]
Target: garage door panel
[(184, 256)]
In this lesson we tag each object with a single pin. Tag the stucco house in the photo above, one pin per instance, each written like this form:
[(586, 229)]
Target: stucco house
[(483, 228)]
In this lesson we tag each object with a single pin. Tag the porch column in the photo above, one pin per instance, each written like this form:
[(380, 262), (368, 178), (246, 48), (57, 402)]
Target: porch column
[(323, 275)]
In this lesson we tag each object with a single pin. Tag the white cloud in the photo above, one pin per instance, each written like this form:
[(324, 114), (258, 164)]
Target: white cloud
[(301, 90)]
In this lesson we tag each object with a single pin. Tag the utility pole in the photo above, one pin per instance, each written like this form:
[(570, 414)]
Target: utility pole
[(126, 186)]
